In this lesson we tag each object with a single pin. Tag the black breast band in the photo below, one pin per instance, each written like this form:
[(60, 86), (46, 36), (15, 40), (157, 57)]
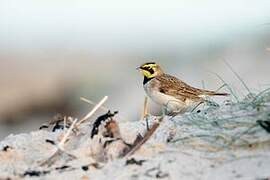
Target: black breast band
[(146, 80)]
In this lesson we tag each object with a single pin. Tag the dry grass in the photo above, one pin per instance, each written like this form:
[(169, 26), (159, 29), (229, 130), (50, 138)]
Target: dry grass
[(230, 126)]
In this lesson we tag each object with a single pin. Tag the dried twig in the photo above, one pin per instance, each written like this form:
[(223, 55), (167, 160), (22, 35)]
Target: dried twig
[(93, 111), (54, 157), (61, 144), (60, 147), (104, 108), (65, 124), (93, 103), (147, 135), (75, 124)]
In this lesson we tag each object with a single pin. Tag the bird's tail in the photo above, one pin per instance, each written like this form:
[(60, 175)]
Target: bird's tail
[(213, 93)]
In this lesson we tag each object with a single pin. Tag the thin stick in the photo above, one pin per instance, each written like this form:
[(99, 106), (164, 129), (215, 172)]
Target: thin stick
[(92, 111), (65, 124), (147, 135), (93, 103), (60, 148), (102, 107), (61, 144), (145, 138)]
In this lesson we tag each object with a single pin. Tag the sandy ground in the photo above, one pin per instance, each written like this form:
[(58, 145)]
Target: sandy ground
[(215, 142)]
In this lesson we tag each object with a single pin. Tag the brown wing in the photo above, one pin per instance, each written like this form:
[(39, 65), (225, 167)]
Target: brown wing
[(172, 86)]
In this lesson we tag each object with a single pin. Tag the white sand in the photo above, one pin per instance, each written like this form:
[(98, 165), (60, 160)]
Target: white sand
[(206, 156)]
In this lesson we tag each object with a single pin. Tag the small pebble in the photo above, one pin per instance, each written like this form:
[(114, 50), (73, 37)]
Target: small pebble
[(85, 168), (6, 148), (50, 141)]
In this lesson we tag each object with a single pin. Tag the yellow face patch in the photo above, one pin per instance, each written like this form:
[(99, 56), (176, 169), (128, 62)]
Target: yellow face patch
[(146, 73), (148, 69)]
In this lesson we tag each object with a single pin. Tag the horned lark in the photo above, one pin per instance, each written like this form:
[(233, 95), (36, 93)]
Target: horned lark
[(175, 95)]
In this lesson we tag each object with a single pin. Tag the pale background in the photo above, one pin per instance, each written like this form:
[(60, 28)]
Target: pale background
[(53, 52)]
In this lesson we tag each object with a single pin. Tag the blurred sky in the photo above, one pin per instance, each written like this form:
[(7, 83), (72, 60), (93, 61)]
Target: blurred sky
[(127, 25), (54, 51)]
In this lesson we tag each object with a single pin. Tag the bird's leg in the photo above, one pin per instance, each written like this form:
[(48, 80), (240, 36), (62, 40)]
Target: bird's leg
[(145, 112), (145, 108)]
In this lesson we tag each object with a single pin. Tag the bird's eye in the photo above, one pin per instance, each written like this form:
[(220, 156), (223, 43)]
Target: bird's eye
[(151, 70)]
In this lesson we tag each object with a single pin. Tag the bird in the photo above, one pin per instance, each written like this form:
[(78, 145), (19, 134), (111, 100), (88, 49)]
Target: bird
[(172, 93)]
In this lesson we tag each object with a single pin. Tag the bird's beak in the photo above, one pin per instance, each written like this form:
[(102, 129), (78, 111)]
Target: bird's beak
[(138, 68)]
